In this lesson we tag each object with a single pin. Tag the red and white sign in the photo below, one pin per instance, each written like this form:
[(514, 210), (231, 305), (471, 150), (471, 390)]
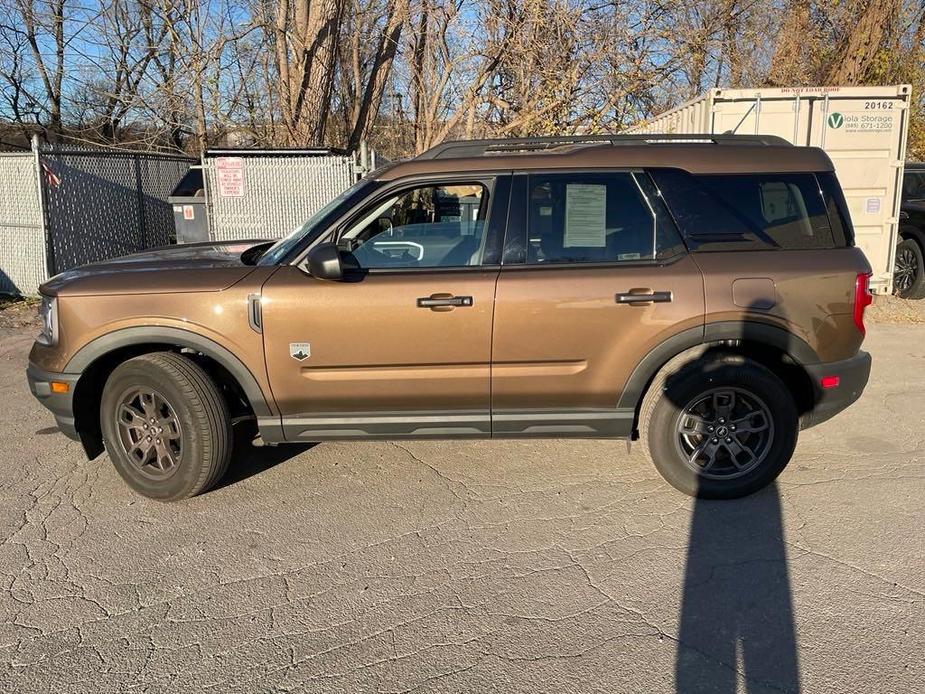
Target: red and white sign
[(230, 172), (189, 212)]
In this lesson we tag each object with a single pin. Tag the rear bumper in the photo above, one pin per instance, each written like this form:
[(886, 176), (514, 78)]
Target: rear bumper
[(61, 405), (852, 374)]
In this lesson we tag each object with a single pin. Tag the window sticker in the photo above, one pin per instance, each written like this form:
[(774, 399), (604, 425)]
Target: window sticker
[(585, 215)]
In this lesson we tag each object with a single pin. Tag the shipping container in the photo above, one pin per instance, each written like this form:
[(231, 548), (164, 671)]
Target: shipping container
[(863, 130)]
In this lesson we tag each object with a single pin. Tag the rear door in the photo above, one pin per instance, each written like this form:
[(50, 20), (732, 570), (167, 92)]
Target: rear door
[(594, 277), (775, 249), (401, 348)]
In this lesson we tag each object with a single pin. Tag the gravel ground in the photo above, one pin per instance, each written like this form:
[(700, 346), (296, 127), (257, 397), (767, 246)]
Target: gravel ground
[(528, 566), (890, 309)]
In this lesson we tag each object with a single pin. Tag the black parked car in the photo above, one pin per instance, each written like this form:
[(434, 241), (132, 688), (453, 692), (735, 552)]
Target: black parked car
[(909, 271)]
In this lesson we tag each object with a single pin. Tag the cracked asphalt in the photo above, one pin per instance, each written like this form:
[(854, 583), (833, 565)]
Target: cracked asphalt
[(529, 566)]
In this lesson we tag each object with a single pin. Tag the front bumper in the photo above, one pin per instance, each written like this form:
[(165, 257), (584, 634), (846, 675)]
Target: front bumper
[(852, 376), (61, 405)]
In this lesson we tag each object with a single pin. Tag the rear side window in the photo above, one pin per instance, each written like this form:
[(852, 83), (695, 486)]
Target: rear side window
[(593, 218), (913, 185), (749, 211), (839, 218)]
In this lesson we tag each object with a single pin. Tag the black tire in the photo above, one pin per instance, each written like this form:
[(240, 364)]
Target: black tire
[(909, 270), (670, 416), (181, 399)]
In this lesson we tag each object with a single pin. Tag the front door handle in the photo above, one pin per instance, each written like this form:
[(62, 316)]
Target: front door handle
[(444, 301), (641, 297)]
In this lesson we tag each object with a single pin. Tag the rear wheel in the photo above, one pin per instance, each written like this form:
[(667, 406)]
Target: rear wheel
[(720, 428), (909, 270), (165, 426)]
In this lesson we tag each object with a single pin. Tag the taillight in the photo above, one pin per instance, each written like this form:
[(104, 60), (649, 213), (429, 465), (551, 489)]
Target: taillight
[(862, 299)]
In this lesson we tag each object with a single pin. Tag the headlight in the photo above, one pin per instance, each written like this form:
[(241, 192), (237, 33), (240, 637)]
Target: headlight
[(48, 314)]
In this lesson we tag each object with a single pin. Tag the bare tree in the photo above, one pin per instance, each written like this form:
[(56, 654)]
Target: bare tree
[(306, 34), (370, 74), (408, 74), (43, 20), (862, 44)]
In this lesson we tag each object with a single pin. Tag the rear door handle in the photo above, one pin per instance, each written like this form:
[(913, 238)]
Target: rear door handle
[(443, 301), (640, 297)]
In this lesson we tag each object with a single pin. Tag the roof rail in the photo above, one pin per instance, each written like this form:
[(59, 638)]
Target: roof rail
[(476, 148)]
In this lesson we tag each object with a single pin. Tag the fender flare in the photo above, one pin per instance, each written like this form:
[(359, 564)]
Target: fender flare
[(665, 351), (126, 337)]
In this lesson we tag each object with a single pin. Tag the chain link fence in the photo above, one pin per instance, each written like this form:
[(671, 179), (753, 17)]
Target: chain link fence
[(101, 205), (64, 206), (266, 194)]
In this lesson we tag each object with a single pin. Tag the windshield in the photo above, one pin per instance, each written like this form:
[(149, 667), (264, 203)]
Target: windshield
[(315, 224)]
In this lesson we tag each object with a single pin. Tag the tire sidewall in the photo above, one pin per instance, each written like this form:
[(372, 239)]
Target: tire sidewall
[(149, 374), (697, 379)]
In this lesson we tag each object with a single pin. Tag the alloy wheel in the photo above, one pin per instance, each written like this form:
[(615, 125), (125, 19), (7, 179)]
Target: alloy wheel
[(906, 269), (724, 433), (149, 432)]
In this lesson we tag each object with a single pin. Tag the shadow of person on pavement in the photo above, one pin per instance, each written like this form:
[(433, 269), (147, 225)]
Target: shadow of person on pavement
[(737, 618)]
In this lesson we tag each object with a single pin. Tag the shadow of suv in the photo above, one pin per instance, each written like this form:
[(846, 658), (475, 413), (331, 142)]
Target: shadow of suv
[(700, 294)]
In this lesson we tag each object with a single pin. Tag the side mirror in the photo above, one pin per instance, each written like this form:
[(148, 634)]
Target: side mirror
[(324, 262)]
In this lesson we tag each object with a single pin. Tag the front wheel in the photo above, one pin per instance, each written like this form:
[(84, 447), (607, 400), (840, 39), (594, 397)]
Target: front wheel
[(720, 428), (165, 426), (909, 270)]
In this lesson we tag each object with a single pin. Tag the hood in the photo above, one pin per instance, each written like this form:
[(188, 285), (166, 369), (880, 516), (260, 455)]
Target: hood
[(195, 267)]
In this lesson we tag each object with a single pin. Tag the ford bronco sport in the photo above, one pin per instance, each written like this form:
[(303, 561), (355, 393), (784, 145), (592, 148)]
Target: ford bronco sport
[(700, 294)]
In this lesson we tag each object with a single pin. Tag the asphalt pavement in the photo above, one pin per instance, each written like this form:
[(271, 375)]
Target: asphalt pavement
[(526, 566)]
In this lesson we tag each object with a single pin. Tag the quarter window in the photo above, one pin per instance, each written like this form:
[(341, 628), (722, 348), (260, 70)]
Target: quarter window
[(748, 211), (589, 218), (436, 225)]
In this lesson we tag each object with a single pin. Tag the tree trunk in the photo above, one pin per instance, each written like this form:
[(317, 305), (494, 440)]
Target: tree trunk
[(378, 77), (306, 35), (789, 64), (860, 48)]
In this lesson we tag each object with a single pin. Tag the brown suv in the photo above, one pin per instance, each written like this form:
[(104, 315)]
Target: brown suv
[(702, 295)]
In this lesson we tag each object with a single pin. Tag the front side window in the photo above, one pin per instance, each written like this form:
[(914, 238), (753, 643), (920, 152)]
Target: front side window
[(429, 226), (588, 218)]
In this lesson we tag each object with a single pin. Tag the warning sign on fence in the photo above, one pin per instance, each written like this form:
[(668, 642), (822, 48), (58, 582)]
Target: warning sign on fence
[(230, 172)]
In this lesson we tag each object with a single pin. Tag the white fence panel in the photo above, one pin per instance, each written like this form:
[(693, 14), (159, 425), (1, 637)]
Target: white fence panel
[(22, 242), (265, 195)]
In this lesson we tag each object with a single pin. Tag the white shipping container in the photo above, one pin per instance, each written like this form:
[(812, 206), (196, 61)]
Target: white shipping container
[(862, 129)]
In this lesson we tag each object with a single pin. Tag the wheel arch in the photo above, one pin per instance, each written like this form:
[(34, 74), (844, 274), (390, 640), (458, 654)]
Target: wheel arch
[(908, 231), (781, 351), (98, 358)]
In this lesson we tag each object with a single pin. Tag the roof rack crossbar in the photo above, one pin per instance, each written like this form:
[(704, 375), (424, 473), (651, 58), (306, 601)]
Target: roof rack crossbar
[(475, 148)]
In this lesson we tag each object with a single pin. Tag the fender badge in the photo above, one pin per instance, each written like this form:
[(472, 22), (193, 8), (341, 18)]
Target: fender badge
[(300, 351)]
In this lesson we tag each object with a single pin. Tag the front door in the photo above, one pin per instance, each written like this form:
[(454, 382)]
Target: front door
[(594, 277), (402, 347)]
